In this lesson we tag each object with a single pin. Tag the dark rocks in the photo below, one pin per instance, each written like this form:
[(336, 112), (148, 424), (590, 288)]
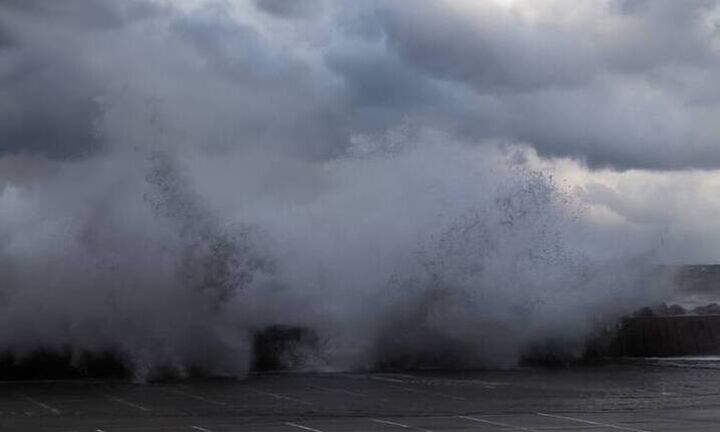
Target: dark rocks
[(62, 364), (282, 347), (676, 310), (661, 310), (711, 309)]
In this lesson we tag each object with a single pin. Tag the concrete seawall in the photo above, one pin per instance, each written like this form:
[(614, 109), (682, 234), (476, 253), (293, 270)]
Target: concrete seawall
[(668, 336)]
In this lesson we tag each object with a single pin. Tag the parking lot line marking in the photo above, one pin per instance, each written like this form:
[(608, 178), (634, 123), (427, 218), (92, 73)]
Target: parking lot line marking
[(299, 426), (125, 402), (337, 390), (282, 397), (494, 423), (43, 405), (433, 393), (201, 429), (388, 422), (200, 398), (404, 426), (385, 379), (401, 376), (594, 423), (428, 392)]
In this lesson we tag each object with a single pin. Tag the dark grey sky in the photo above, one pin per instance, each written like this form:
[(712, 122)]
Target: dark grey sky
[(616, 83)]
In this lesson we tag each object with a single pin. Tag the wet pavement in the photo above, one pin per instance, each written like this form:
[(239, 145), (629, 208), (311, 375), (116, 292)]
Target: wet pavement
[(627, 397)]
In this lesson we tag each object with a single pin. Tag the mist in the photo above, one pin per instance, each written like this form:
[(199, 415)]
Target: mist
[(176, 177), (377, 253)]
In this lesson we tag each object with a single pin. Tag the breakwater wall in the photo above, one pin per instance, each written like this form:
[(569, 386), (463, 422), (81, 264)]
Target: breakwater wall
[(667, 336)]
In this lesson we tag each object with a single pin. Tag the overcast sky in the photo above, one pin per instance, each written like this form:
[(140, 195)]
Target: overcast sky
[(619, 98)]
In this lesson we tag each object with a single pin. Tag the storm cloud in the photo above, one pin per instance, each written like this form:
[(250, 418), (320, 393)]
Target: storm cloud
[(623, 84), (612, 83)]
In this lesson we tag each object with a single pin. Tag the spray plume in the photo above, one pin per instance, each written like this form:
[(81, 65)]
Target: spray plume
[(215, 190)]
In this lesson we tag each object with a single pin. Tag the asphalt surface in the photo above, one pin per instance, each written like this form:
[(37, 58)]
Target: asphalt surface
[(635, 398)]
